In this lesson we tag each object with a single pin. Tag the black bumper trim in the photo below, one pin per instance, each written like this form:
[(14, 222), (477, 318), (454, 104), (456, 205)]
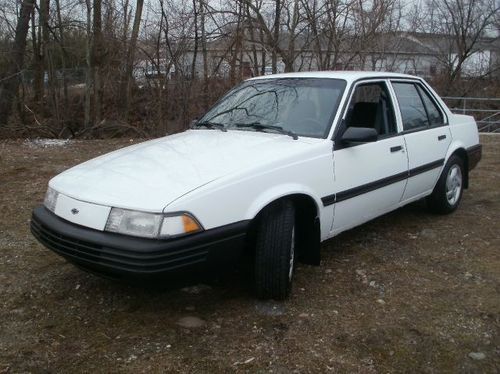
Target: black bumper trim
[(114, 253), (474, 154)]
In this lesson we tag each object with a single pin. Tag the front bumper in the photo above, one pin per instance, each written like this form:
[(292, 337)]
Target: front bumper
[(125, 256)]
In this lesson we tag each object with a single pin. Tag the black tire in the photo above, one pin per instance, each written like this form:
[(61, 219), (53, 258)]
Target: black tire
[(438, 202), (275, 251)]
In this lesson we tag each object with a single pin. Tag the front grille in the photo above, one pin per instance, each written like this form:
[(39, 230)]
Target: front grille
[(88, 253)]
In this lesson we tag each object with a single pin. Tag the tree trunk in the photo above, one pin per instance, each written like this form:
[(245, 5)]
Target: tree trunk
[(129, 67), (89, 74), (63, 56), (263, 54), (10, 84), (276, 35), (255, 68), (290, 55), (204, 53), (96, 60), (36, 40), (195, 48), (48, 61)]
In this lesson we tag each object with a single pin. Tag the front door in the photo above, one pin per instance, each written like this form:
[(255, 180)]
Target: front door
[(369, 178)]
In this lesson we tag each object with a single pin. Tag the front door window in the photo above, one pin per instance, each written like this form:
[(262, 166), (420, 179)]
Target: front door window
[(371, 107)]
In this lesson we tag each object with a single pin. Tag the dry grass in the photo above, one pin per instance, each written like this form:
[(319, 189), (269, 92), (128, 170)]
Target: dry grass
[(408, 292)]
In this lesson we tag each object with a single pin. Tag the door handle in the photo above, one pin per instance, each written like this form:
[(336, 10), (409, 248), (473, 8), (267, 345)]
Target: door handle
[(441, 137), (396, 148)]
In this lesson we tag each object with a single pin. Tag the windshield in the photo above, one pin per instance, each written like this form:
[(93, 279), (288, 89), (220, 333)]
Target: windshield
[(301, 106)]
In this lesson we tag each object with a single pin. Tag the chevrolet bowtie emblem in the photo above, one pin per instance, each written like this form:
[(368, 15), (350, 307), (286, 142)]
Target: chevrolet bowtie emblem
[(75, 211)]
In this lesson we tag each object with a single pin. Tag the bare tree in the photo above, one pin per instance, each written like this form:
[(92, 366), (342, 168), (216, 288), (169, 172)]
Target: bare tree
[(10, 83), (48, 59), (461, 24), (204, 51), (89, 72), (62, 46), (281, 33), (184, 53), (129, 61), (96, 61), (274, 40), (38, 66)]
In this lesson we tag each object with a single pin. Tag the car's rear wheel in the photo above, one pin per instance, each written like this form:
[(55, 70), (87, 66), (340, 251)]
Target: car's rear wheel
[(448, 191), (275, 251)]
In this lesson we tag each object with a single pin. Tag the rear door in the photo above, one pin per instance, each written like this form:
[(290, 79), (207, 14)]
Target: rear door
[(369, 178), (427, 136)]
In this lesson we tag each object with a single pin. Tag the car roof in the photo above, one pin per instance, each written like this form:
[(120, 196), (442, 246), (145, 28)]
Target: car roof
[(345, 75)]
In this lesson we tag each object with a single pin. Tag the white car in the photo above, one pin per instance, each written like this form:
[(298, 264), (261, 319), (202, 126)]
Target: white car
[(278, 165)]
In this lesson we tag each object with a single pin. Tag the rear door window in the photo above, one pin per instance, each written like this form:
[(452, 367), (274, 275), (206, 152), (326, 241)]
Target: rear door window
[(412, 108)]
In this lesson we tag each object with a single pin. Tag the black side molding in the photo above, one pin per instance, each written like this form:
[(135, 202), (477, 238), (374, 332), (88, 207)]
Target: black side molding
[(423, 168), (372, 186), (328, 200)]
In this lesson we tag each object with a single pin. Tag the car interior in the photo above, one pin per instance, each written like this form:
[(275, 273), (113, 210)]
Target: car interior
[(370, 107)]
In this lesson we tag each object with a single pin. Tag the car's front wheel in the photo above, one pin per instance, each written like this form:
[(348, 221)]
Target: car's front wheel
[(275, 251), (448, 191)]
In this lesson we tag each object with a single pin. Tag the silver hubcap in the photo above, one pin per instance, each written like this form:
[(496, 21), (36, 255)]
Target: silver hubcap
[(453, 184), (292, 255)]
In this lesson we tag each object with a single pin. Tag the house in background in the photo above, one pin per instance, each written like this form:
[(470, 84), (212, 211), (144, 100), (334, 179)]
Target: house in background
[(421, 54)]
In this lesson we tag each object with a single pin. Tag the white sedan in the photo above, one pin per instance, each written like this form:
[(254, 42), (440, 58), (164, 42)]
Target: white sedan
[(278, 165)]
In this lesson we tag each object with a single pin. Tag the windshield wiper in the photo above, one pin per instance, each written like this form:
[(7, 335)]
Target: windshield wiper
[(211, 125), (262, 127)]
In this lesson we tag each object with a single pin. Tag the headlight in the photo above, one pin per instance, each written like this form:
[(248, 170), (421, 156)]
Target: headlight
[(150, 225), (51, 199)]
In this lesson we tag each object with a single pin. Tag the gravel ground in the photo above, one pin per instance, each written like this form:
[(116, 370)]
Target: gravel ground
[(408, 292)]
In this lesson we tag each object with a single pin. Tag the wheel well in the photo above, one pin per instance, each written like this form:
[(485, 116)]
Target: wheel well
[(307, 227), (462, 153)]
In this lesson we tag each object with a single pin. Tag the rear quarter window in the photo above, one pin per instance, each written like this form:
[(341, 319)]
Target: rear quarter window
[(434, 114)]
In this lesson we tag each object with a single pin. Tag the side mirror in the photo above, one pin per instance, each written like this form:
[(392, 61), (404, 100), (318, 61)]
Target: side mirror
[(193, 122), (357, 135)]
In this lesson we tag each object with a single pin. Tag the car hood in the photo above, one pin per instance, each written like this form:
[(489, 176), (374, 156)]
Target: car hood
[(150, 175)]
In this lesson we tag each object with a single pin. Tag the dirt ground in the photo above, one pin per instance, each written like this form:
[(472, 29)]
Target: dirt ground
[(408, 292)]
